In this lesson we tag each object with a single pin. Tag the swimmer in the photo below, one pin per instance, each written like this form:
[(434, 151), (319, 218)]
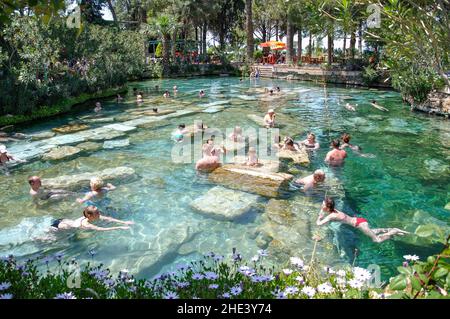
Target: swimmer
[(175, 89), (140, 97), (312, 180), (37, 192), (202, 93), (98, 107), (278, 89), (236, 136), (252, 159), (98, 190), (375, 105), (119, 98), (90, 215), (350, 107), (210, 160), (290, 145), (377, 235), (5, 157), (269, 119), (166, 94), (346, 143), (178, 135), (270, 92), (310, 142), (199, 126), (336, 156)]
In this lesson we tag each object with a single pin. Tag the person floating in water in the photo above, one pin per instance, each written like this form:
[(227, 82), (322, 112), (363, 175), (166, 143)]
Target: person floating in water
[(310, 142), (375, 105), (140, 97), (346, 143), (336, 156), (269, 119), (90, 215), (166, 94), (377, 235), (290, 145), (37, 192), (5, 157), (202, 93), (98, 191), (312, 180), (350, 107), (178, 135), (98, 107), (252, 159)]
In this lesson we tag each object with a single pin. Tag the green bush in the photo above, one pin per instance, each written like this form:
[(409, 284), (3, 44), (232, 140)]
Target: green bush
[(370, 76), (258, 54), (159, 50)]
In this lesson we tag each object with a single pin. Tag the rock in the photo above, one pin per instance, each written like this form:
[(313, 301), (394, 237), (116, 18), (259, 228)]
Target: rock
[(120, 127), (116, 144), (43, 135), (66, 139), (298, 157), (225, 204), (435, 166), (213, 109), (79, 181), (102, 134), (250, 180), (278, 211), (62, 152), (265, 165), (95, 120), (70, 128), (89, 146)]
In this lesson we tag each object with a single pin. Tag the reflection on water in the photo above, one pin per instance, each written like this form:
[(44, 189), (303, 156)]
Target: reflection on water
[(407, 172)]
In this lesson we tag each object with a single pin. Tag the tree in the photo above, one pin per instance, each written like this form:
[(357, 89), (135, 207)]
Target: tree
[(163, 26), (249, 29)]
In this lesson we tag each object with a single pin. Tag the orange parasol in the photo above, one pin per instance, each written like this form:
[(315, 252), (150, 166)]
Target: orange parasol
[(274, 45)]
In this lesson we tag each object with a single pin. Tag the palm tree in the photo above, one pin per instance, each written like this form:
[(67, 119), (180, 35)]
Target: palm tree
[(164, 26)]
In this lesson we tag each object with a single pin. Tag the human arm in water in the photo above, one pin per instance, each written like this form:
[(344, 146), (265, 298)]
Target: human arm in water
[(86, 198), (90, 226), (110, 187), (110, 219)]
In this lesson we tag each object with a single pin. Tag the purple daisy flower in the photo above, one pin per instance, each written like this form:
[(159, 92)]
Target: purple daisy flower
[(66, 295), (236, 290), (211, 275), (171, 295), (197, 276), (6, 296), (4, 285), (213, 286)]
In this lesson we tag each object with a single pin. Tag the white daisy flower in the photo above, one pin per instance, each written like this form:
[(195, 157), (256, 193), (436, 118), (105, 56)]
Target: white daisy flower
[(325, 288), (309, 291), (287, 272), (295, 261), (361, 274), (341, 273), (355, 283), (255, 258), (411, 257)]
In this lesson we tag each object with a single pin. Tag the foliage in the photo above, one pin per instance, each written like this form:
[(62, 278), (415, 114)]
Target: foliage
[(414, 81), (424, 279), (159, 50), (258, 54), (370, 75), (213, 277), (46, 65)]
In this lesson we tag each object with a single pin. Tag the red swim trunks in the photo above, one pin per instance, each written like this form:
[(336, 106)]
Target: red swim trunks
[(360, 220)]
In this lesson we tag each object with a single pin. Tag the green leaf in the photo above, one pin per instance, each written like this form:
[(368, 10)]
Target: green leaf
[(398, 283), (440, 272), (447, 280), (415, 283), (404, 270)]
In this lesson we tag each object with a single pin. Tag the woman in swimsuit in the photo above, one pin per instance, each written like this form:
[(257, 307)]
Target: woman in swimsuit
[(98, 190), (378, 235), (90, 215), (310, 142), (290, 145), (346, 143)]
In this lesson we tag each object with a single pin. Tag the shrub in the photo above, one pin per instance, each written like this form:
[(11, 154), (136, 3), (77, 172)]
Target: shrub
[(370, 76)]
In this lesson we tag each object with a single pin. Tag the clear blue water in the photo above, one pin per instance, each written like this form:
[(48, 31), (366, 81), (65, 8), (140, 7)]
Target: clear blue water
[(407, 177)]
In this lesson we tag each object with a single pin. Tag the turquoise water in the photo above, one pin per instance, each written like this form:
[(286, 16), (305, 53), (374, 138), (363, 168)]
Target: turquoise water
[(405, 182)]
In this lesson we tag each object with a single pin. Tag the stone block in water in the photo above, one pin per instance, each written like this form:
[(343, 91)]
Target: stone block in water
[(250, 180), (95, 120), (89, 146), (223, 203), (116, 144), (43, 135), (70, 128), (62, 152), (121, 127), (79, 181), (298, 157), (264, 165)]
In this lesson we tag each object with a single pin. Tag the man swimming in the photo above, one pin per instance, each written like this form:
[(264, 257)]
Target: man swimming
[(375, 105), (290, 145), (90, 215), (312, 180), (346, 143), (98, 190), (98, 107), (37, 192), (377, 235), (336, 156), (5, 157)]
